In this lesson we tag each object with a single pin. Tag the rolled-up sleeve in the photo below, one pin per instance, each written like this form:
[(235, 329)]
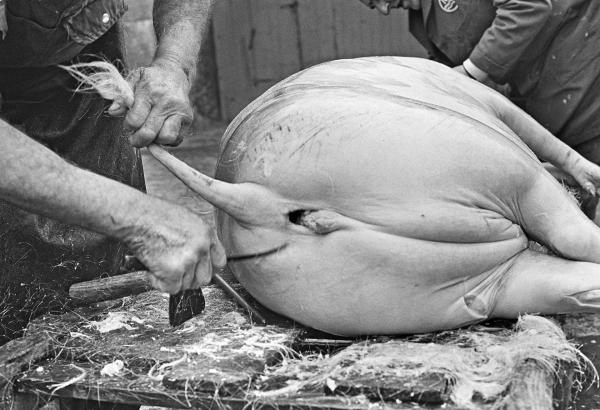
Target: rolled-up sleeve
[(516, 24)]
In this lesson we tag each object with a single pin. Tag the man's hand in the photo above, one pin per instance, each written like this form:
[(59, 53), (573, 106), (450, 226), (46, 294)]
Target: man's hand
[(503, 89), (177, 247), (461, 70), (175, 244), (161, 106), (586, 173)]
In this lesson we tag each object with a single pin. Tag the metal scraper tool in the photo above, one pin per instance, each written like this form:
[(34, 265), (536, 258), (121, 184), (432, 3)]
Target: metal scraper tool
[(182, 306), (185, 305)]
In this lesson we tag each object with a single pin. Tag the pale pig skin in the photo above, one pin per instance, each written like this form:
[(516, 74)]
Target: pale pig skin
[(406, 200)]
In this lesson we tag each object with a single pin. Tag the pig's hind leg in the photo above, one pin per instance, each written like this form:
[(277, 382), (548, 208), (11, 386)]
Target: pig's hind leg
[(547, 214), (546, 284), (550, 284)]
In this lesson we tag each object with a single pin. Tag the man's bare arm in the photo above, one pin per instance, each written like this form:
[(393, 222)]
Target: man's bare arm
[(180, 27), (174, 243), (161, 106), (545, 145)]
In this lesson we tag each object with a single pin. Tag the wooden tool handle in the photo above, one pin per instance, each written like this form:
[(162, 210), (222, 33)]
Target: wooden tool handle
[(113, 287)]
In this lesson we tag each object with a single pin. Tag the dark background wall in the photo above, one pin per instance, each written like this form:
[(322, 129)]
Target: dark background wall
[(259, 42), (255, 43)]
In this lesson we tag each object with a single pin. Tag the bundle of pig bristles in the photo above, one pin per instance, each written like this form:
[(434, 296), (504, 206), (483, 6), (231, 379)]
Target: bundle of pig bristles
[(104, 78)]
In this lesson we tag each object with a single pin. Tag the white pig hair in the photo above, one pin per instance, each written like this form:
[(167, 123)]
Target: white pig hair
[(103, 78)]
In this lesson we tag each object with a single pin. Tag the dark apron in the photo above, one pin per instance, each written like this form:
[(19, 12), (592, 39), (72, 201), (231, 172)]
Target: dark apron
[(40, 257)]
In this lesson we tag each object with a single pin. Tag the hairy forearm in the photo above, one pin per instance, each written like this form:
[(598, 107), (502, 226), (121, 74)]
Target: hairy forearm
[(36, 179), (180, 26)]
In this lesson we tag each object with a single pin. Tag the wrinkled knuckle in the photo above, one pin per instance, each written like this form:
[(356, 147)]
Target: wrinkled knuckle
[(147, 134), (181, 103), (172, 106), (169, 136), (188, 115), (159, 91), (134, 120)]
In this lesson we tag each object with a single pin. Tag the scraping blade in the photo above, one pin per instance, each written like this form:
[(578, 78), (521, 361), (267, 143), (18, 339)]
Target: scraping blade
[(185, 305)]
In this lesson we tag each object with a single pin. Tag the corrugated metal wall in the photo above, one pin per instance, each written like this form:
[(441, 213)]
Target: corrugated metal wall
[(259, 42)]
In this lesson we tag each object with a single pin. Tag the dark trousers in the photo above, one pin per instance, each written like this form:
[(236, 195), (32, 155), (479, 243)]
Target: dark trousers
[(40, 257)]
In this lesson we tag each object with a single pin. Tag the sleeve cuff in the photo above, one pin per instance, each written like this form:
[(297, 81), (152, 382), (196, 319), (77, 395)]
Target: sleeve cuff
[(474, 71)]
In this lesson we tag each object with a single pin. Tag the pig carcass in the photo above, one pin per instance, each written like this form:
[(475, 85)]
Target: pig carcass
[(397, 196)]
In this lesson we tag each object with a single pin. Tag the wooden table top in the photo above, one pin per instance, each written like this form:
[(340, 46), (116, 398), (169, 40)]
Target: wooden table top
[(219, 357)]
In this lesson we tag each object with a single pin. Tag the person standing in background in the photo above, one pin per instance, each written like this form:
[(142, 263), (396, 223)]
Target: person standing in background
[(543, 54)]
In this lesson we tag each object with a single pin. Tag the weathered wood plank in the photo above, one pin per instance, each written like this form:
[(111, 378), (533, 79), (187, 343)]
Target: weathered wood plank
[(220, 356), (112, 287), (214, 347), (584, 330), (15, 357), (148, 338), (531, 391), (22, 401), (429, 389), (317, 32), (460, 365), (274, 51), (138, 392), (233, 33), (260, 42), (363, 32)]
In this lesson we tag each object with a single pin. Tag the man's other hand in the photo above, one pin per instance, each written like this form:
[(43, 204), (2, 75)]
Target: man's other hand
[(461, 70), (161, 106), (177, 247)]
